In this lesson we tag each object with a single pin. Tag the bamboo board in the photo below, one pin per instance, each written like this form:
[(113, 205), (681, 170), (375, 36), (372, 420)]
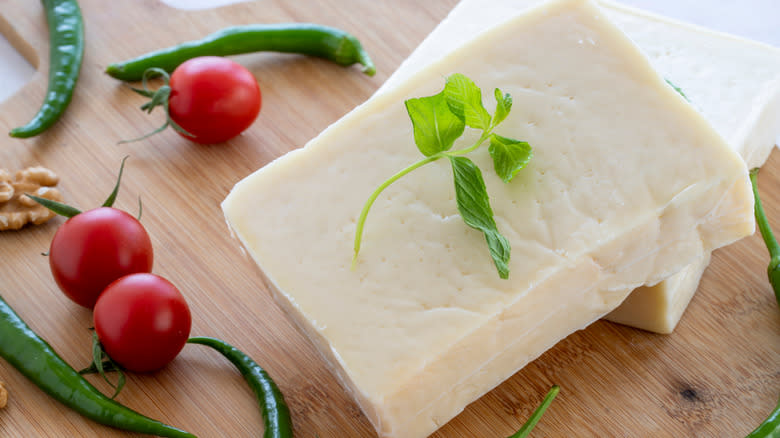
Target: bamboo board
[(717, 375)]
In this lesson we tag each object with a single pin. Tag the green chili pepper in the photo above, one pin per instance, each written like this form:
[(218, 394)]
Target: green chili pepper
[(537, 414), (773, 270), (37, 361), (304, 38), (66, 50), (770, 428), (276, 414)]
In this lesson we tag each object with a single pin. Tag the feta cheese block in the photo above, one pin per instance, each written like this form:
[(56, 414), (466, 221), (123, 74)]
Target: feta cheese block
[(628, 184), (733, 82)]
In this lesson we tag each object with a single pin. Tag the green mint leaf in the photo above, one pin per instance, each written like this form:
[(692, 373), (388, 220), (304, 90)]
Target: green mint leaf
[(677, 89), (465, 100), (435, 127), (474, 207), (503, 106), (509, 156)]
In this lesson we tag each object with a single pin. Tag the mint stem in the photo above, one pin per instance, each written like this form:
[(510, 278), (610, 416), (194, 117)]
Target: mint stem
[(473, 147), (367, 206), (364, 213)]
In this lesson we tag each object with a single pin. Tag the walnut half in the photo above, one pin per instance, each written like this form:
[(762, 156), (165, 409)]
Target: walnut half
[(17, 209)]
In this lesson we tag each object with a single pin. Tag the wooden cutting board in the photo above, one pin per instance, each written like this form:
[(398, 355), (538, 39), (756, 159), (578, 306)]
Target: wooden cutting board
[(716, 376)]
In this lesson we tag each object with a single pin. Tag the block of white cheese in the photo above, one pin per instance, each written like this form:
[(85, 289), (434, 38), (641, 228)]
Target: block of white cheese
[(733, 82), (616, 196)]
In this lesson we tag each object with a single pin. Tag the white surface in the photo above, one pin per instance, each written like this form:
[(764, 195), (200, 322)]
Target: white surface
[(15, 71), (199, 4), (754, 19)]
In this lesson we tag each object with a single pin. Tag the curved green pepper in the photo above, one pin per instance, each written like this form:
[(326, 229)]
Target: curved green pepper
[(276, 414), (304, 38), (66, 51), (770, 428)]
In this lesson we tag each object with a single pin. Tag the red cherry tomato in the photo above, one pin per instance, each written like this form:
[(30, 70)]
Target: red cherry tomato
[(142, 321), (213, 98), (94, 248)]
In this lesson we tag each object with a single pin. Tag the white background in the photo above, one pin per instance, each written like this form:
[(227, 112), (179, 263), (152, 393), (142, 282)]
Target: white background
[(754, 19)]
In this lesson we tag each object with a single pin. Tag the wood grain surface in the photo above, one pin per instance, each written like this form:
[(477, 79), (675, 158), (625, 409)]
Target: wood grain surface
[(716, 376)]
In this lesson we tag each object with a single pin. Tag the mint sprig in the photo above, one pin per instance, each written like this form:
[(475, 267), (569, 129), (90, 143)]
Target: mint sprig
[(438, 121)]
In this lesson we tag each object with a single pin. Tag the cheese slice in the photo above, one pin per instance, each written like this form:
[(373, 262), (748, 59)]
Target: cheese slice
[(733, 82), (616, 196)]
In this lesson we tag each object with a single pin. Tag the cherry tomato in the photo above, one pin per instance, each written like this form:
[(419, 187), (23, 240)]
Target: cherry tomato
[(213, 98), (142, 321), (94, 248)]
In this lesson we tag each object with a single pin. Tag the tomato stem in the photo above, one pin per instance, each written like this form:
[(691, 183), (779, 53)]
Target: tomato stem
[(102, 363), (112, 197), (57, 207), (157, 98), (69, 211)]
